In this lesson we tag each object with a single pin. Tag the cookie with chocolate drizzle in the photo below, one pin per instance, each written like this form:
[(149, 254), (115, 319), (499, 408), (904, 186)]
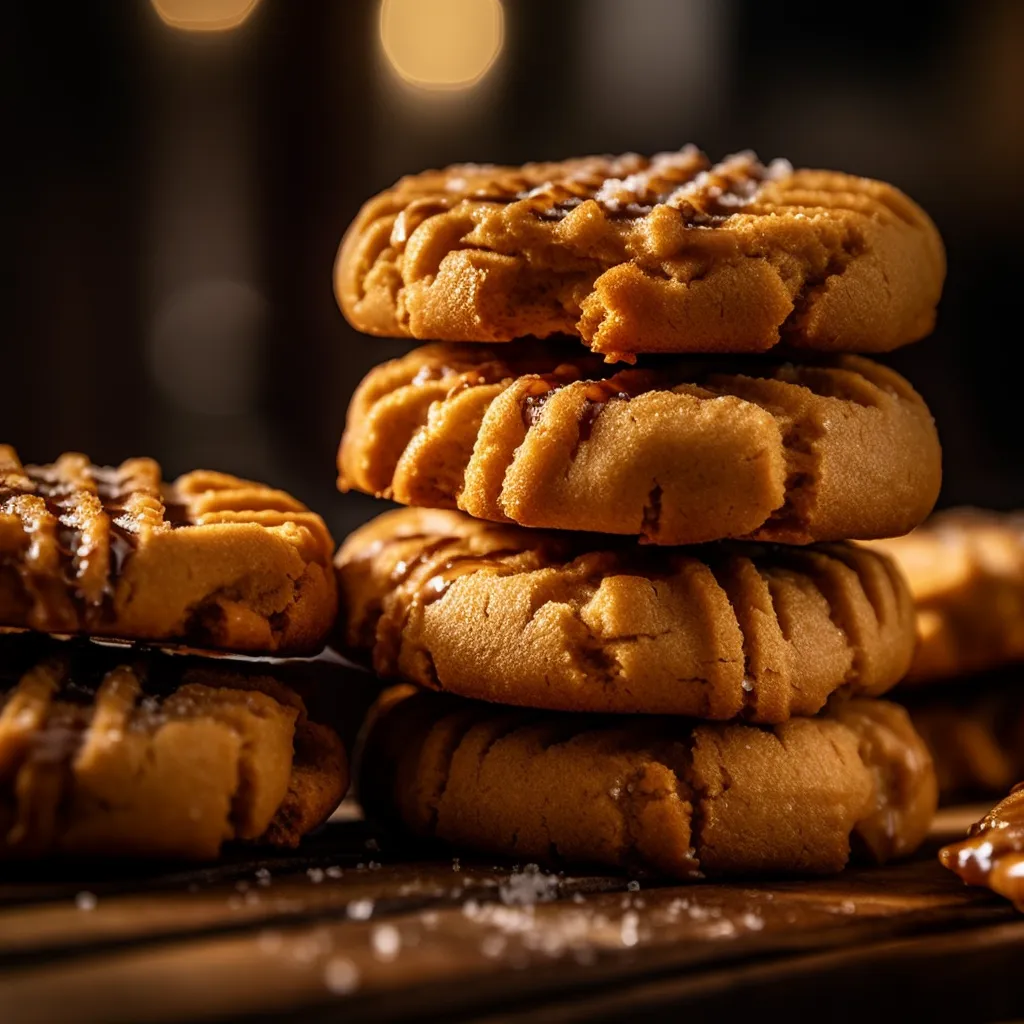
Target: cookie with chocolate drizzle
[(577, 622), (209, 560)]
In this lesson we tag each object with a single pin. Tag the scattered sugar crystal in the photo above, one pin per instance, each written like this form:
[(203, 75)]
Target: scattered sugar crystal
[(724, 929), (633, 886), (374, 866), (456, 866), (747, 684), (334, 871), (316, 875), (530, 885), (578, 897), (263, 877), (360, 910), (429, 918), (752, 922), (341, 976), (386, 942), (86, 901), (629, 930), (493, 945)]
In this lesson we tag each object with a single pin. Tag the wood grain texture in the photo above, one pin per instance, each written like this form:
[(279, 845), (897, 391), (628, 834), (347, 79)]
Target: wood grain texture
[(361, 924)]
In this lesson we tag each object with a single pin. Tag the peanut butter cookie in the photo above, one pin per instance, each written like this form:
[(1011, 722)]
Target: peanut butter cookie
[(667, 254), (130, 753), (577, 623), (662, 795), (965, 568), (209, 560), (679, 452)]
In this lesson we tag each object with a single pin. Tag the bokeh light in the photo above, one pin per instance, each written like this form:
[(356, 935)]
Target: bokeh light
[(441, 44), (204, 15)]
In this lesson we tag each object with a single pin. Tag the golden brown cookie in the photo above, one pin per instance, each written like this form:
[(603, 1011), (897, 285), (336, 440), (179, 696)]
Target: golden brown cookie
[(130, 753), (993, 853), (577, 623), (656, 794), (668, 254), (975, 731), (209, 560), (679, 452), (966, 572)]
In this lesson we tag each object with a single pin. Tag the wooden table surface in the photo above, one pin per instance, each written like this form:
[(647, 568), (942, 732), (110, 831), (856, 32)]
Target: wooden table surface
[(358, 926)]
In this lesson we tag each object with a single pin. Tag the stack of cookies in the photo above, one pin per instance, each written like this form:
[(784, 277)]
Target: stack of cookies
[(110, 746), (626, 622)]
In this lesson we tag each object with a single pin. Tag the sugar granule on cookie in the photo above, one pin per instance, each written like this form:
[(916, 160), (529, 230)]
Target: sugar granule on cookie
[(209, 560), (632, 254)]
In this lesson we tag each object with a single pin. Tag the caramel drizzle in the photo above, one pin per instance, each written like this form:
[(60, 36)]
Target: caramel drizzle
[(993, 853)]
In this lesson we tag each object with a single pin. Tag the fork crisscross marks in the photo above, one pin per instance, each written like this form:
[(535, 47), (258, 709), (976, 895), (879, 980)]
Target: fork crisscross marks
[(672, 253)]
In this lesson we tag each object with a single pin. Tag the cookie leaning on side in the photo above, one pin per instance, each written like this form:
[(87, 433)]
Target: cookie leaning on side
[(757, 460), (120, 750)]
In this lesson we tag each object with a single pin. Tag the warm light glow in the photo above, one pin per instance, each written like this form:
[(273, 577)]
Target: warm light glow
[(204, 15), (441, 44)]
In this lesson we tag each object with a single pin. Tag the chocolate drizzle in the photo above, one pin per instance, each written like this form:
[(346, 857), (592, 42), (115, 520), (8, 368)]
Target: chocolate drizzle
[(82, 524)]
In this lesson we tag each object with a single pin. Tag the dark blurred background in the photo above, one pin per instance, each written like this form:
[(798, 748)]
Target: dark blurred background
[(174, 197)]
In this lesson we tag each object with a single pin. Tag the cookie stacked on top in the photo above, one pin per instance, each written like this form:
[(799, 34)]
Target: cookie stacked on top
[(111, 746), (654, 645)]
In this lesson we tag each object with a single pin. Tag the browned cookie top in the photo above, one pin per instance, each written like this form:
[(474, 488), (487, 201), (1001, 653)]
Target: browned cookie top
[(681, 451), (636, 254), (127, 752), (579, 623), (210, 560)]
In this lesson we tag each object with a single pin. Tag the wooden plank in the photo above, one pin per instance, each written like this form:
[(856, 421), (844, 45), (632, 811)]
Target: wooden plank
[(416, 935)]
